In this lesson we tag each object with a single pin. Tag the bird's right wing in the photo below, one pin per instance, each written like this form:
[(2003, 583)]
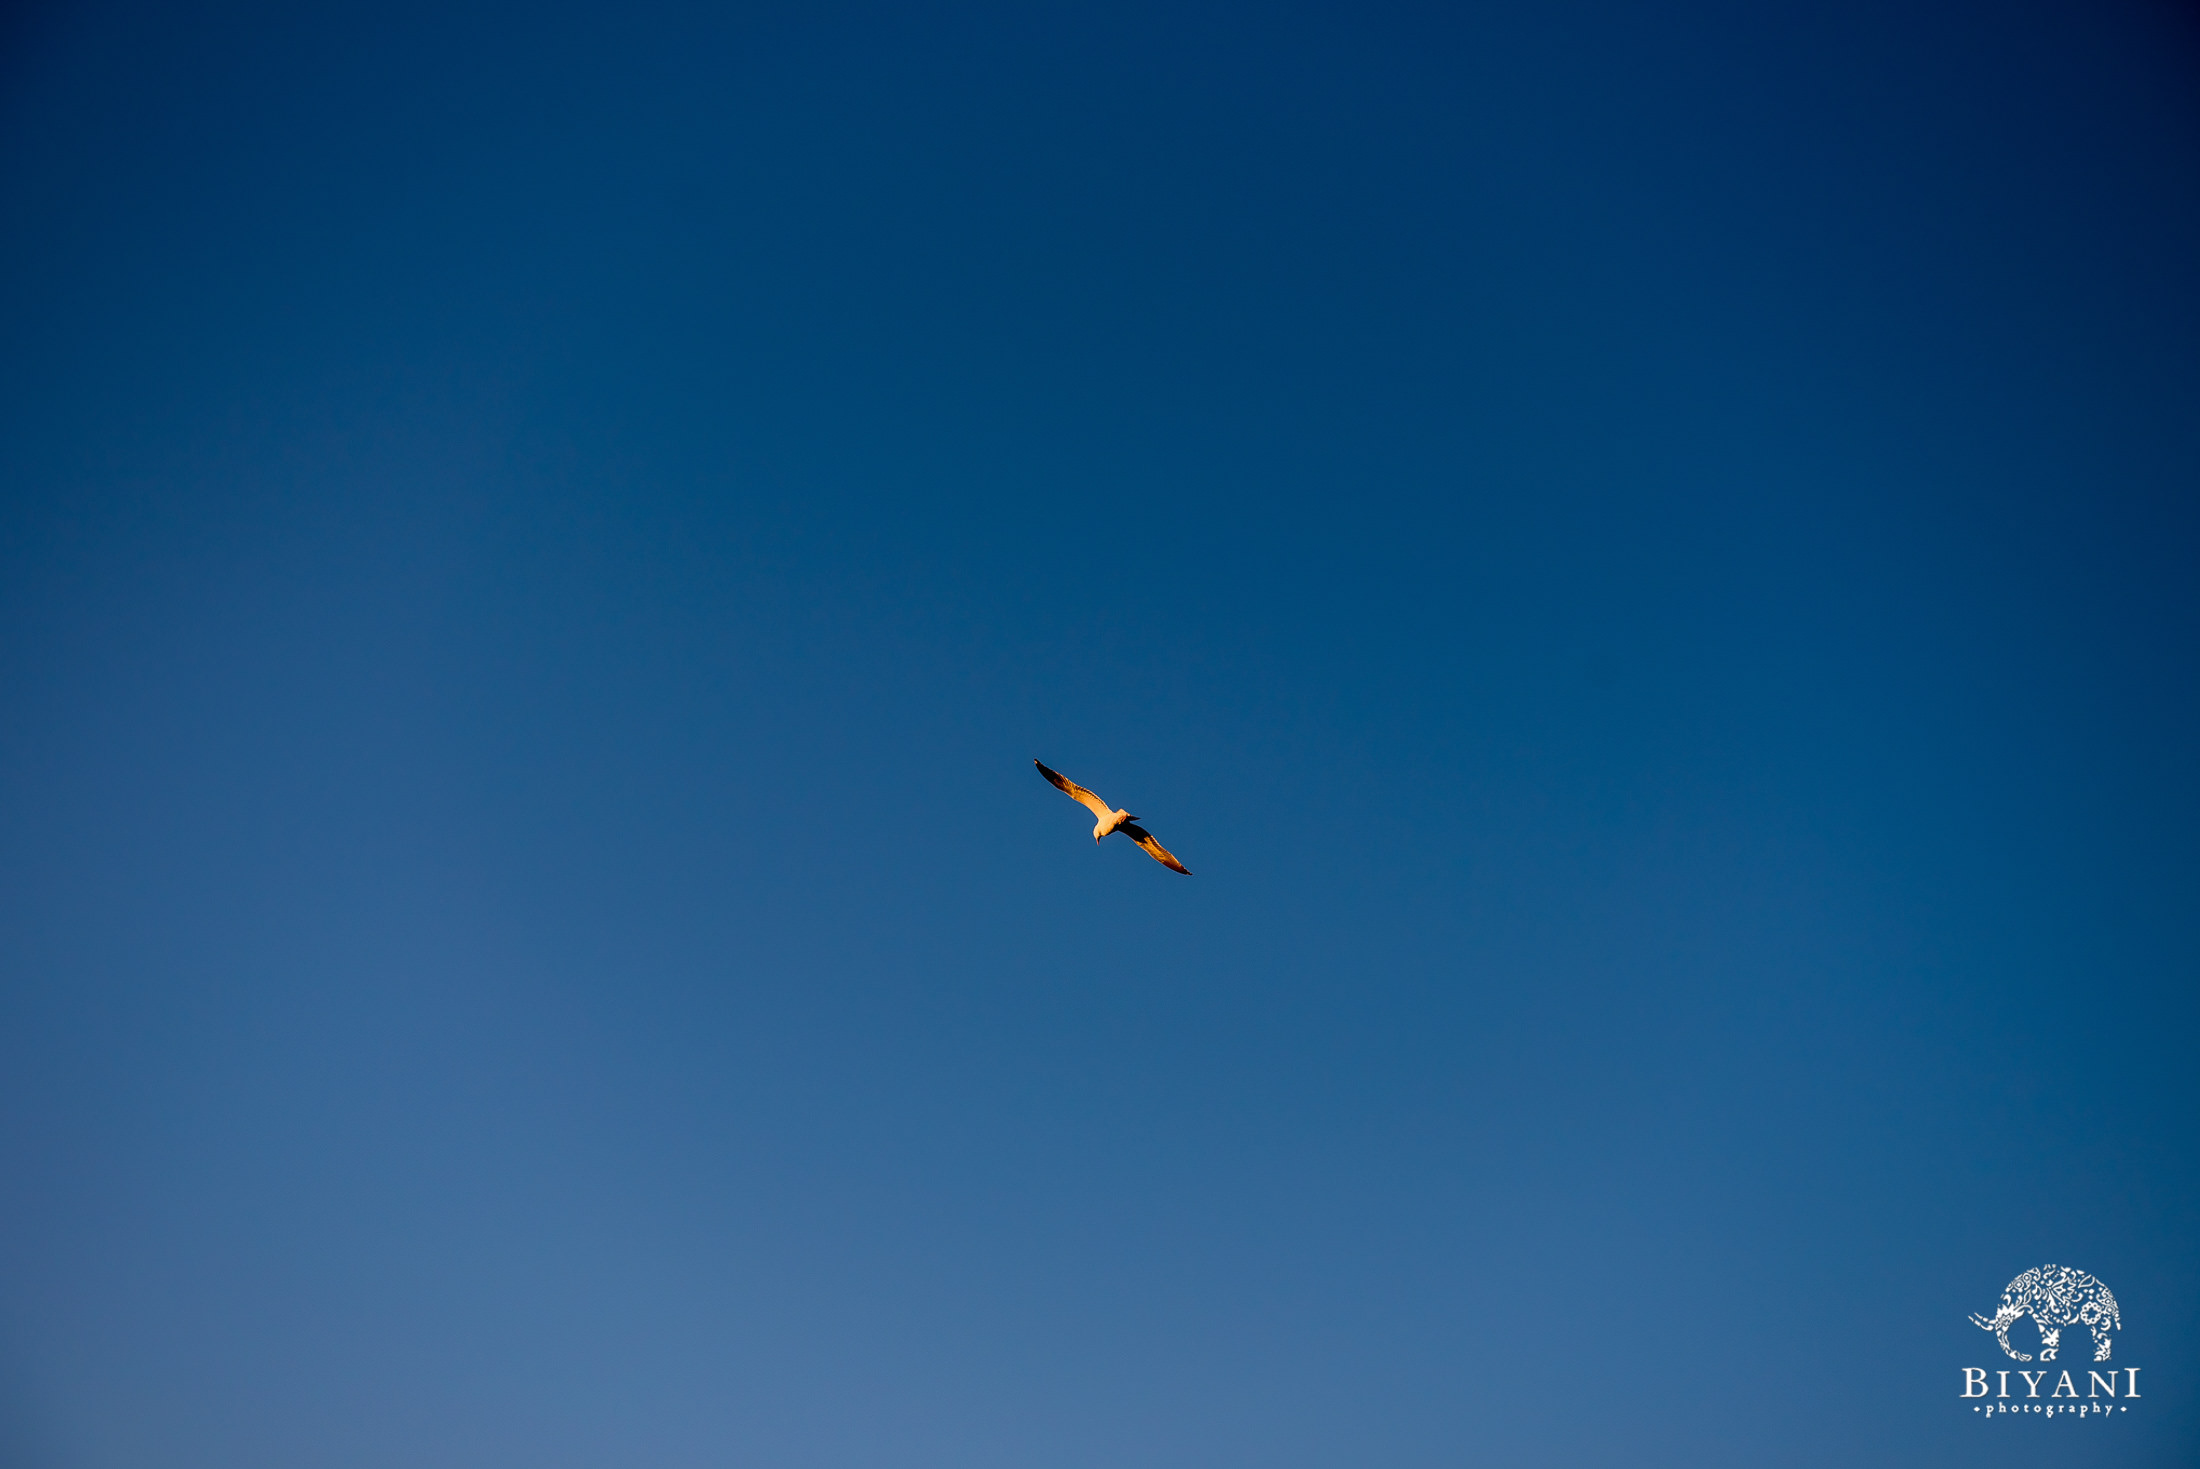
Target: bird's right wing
[(1154, 849), (1076, 792)]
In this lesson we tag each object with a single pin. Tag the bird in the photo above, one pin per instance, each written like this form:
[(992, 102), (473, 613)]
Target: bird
[(1117, 820)]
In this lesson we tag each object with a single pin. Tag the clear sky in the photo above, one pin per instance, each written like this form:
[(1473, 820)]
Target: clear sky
[(1644, 555)]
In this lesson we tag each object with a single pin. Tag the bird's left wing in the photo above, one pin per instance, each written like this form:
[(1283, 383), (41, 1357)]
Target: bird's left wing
[(1154, 849), (1076, 792)]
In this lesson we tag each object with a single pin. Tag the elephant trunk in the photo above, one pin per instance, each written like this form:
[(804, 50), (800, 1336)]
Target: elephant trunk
[(1999, 1324)]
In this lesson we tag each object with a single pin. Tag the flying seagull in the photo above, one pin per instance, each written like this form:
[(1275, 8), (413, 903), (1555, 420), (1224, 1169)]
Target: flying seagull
[(1121, 821)]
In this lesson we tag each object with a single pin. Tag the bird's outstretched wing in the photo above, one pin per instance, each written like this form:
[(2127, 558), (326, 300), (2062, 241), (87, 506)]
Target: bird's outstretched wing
[(1154, 849), (1076, 792)]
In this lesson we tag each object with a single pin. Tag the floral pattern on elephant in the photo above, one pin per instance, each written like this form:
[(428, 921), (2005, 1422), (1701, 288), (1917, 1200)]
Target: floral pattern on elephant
[(2054, 1296)]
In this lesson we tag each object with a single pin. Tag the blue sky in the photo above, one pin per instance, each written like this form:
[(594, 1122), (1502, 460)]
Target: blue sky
[(1643, 556)]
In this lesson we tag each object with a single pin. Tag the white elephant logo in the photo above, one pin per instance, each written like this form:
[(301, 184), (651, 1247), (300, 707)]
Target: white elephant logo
[(2054, 1296)]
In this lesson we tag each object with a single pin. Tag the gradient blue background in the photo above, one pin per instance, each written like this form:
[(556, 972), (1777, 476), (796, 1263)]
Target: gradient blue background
[(1645, 556)]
